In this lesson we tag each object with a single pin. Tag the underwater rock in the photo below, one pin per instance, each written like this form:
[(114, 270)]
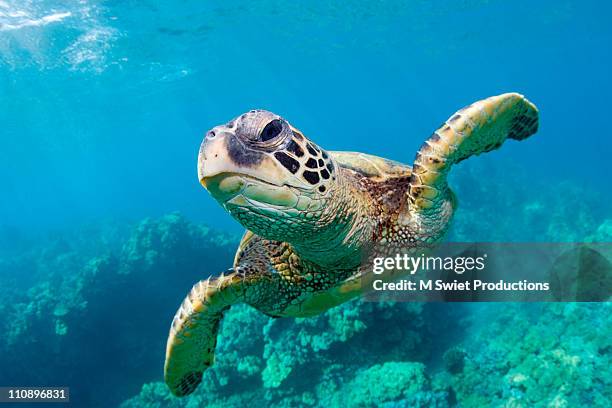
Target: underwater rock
[(167, 241), (454, 360)]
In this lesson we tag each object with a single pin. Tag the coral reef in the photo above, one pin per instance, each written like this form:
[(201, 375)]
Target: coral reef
[(544, 355), (96, 302), (547, 355), (312, 362), (392, 384)]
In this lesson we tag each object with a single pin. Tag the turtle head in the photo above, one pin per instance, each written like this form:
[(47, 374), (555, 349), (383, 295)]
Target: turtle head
[(267, 175)]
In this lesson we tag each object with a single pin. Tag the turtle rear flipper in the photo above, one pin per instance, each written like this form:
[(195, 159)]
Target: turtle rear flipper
[(193, 334), (478, 128)]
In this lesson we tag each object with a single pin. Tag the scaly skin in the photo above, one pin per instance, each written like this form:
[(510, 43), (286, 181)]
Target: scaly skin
[(312, 216)]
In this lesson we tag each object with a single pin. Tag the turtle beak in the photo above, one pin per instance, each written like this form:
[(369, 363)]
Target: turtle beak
[(224, 186), (211, 156), (213, 172)]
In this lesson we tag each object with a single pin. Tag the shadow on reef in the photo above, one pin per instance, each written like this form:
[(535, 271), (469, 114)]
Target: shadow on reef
[(91, 309)]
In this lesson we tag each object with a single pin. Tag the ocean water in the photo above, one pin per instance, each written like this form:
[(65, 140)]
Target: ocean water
[(104, 226)]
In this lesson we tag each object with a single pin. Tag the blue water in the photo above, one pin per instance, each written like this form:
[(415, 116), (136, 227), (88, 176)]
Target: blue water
[(103, 105)]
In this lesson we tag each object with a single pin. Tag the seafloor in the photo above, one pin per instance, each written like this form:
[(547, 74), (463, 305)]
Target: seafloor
[(90, 308)]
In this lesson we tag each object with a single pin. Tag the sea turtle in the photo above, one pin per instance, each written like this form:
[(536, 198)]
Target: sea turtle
[(309, 214)]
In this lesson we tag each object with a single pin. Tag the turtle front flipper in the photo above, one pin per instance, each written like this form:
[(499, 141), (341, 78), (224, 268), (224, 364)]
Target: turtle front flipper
[(478, 128), (193, 334)]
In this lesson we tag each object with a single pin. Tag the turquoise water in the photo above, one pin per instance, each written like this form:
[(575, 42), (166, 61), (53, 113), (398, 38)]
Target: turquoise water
[(103, 105)]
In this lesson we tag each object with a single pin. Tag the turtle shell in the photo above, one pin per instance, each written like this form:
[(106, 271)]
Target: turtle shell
[(373, 167)]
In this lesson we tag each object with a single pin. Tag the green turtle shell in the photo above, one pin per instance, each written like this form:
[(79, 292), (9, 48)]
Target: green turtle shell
[(373, 167)]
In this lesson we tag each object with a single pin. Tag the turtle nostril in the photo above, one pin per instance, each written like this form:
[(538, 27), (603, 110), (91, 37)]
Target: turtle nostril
[(211, 134)]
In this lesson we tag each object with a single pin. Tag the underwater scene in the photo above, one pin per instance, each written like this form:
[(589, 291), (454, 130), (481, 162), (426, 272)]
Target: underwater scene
[(114, 116)]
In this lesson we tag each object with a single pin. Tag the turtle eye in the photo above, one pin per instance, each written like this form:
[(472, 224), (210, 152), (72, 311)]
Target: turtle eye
[(271, 130)]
